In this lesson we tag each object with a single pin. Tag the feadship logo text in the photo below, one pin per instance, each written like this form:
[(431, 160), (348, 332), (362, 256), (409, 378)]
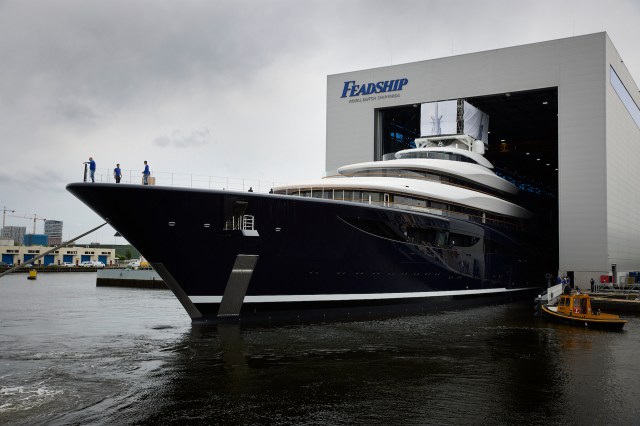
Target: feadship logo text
[(352, 89)]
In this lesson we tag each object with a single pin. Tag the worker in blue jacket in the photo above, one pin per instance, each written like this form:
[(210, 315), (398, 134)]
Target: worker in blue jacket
[(92, 169)]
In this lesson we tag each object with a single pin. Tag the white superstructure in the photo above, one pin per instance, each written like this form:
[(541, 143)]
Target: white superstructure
[(444, 176)]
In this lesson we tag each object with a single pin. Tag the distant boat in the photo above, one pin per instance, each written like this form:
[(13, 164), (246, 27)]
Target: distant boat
[(575, 309)]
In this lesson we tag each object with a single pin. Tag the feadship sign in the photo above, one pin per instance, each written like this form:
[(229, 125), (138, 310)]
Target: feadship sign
[(362, 92)]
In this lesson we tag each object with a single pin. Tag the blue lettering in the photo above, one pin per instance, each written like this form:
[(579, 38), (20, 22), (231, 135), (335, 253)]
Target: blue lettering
[(386, 87), (352, 89), (346, 87)]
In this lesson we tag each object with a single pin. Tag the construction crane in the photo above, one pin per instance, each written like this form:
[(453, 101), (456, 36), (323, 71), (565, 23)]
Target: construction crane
[(4, 213), (34, 218)]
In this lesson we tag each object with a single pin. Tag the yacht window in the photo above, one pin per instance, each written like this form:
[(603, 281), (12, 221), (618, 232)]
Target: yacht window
[(462, 240), (409, 201), (423, 236), (442, 238), (373, 197), (375, 227)]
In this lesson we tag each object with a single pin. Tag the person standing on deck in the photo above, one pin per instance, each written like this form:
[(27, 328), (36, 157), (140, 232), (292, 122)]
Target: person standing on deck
[(92, 169), (145, 174), (117, 173)]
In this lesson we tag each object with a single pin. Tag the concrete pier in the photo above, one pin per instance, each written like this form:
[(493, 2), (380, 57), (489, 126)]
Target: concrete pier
[(615, 302), (139, 278)]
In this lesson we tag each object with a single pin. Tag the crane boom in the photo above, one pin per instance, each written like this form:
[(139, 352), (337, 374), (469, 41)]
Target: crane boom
[(34, 218)]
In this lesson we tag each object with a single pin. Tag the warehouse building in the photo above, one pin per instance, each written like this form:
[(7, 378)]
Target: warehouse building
[(562, 123)]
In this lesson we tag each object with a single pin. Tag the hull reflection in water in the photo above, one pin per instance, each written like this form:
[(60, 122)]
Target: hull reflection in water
[(464, 367), (101, 355)]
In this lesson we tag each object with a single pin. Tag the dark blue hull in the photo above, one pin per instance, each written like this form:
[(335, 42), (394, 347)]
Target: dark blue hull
[(307, 256)]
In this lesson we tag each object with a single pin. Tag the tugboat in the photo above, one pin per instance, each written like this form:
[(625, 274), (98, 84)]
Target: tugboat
[(575, 309)]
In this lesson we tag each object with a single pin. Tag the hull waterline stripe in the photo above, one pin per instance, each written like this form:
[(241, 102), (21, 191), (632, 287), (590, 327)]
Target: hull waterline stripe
[(340, 297)]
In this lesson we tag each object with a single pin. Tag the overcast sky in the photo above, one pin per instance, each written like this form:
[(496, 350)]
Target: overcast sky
[(222, 88)]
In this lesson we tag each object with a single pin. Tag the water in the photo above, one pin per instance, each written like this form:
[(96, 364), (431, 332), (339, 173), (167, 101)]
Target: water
[(72, 353)]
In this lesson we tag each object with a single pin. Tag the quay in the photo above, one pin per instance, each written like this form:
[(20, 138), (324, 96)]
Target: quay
[(47, 269), (615, 301), (138, 278)]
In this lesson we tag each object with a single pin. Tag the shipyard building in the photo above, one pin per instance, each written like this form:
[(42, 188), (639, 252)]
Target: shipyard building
[(560, 119)]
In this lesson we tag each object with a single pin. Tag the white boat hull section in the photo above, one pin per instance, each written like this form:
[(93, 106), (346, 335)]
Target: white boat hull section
[(340, 297), (466, 171), (418, 188)]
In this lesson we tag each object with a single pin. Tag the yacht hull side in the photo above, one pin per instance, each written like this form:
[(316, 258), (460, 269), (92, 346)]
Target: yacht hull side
[(309, 257)]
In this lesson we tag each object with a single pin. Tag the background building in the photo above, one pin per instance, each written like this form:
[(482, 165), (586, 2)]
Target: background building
[(53, 229), (14, 255), (35, 240), (564, 126), (15, 233)]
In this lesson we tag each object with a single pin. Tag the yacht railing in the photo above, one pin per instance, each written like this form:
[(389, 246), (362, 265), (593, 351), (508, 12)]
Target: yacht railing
[(237, 223), (248, 222), (190, 180)]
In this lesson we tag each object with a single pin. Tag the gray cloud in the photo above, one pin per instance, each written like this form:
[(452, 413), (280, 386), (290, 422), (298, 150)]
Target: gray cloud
[(47, 180), (75, 111), (180, 140), (242, 81)]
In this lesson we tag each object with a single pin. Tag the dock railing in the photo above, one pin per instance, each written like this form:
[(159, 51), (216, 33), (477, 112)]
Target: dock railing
[(617, 288)]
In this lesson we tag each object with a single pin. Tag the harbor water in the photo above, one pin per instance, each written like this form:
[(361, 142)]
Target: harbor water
[(74, 353)]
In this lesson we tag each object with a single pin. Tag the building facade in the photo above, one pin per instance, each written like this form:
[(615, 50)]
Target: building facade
[(35, 240), (587, 149), (15, 233), (53, 229), (17, 255)]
